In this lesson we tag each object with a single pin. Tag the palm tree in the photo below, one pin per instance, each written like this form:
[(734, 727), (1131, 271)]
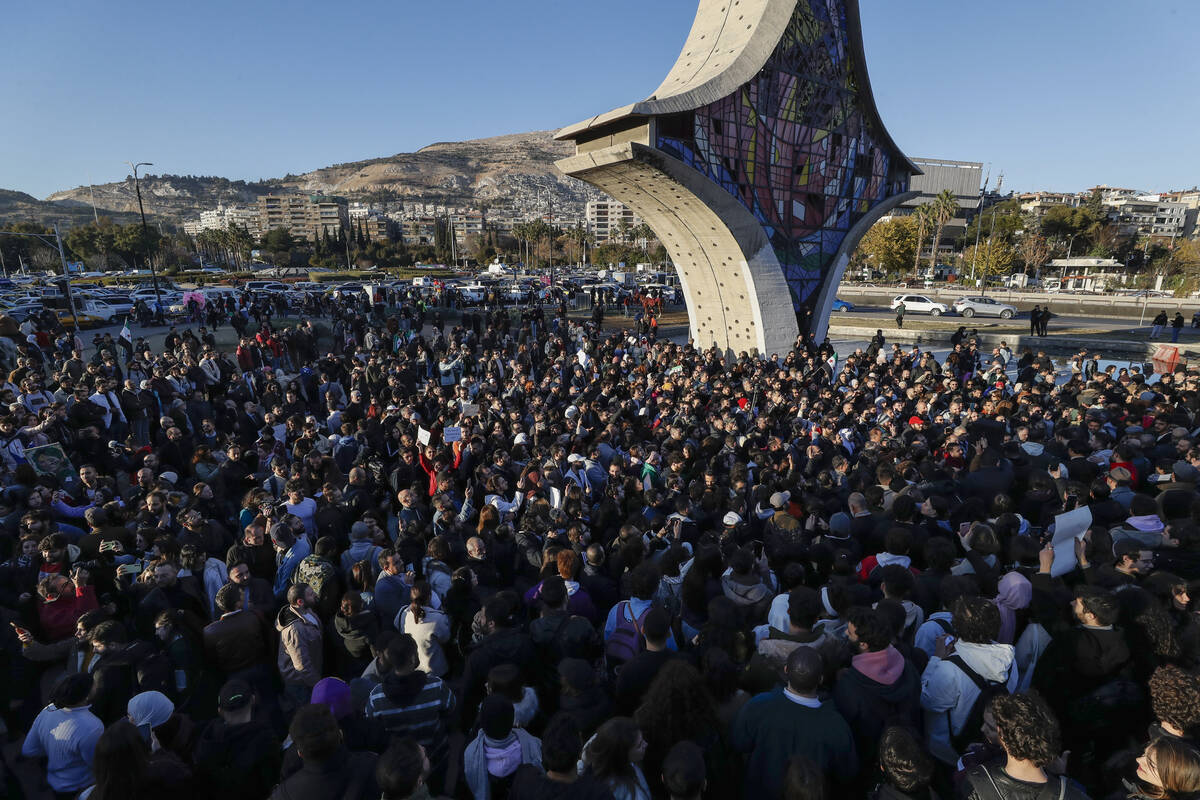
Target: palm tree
[(942, 210), (923, 217)]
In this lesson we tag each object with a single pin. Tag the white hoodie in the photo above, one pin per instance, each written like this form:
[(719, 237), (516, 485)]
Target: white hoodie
[(947, 693)]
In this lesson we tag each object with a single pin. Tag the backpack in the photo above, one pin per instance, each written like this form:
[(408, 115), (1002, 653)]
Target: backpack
[(1115, 703), (314, 571), (627, 639), (987, 690)]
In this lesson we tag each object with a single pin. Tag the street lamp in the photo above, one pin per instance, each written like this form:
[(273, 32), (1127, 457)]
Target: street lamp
[(153, 272)]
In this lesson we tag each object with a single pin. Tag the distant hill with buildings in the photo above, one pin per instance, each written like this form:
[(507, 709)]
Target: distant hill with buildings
[(516, 170)]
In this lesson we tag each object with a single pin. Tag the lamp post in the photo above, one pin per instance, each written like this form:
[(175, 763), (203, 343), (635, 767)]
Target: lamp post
[(141, 210)]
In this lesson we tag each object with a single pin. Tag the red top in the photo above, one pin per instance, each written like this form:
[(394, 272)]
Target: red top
[(58, 618)]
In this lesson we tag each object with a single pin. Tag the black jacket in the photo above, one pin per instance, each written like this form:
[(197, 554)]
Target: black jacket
[(505, 646), (236, 762), (983, 781), (345, 775), (869, 706)]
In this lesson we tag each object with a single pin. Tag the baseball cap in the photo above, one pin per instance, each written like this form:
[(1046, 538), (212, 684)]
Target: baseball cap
[(169, 477), (915, 421), (780, 499), (574, 458), (235, 695), (732, 518), (521, 438)]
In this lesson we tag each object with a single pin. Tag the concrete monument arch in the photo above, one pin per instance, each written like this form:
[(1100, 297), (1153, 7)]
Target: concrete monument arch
[(759, 162)]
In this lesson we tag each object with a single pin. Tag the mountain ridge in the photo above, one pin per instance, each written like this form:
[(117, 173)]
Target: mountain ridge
[(515, 168)]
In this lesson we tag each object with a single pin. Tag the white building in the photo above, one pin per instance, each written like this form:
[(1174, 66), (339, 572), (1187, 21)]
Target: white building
[(221, 217), (1147, 215), (604, 219)]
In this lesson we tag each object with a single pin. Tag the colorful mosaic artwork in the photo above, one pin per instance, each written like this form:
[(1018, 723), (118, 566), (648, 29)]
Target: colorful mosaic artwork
[(794, 146)]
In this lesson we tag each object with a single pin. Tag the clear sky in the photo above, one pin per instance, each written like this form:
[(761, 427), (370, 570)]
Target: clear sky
[(1059, 94)]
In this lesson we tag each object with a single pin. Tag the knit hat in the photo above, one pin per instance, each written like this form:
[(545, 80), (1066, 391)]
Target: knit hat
[(335, 693), (732, 518)]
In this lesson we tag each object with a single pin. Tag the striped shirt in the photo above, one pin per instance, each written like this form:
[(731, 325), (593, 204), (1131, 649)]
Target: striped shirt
[(423, 717), (67, 737)]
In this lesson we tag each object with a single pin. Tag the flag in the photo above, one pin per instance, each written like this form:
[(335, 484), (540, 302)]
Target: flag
[(831, 362), (127, 334)]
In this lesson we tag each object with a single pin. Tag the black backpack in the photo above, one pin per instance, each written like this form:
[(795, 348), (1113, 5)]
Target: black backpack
[(971, 730)]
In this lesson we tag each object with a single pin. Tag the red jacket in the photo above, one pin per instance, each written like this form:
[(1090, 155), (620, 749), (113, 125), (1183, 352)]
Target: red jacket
[(58, 618)]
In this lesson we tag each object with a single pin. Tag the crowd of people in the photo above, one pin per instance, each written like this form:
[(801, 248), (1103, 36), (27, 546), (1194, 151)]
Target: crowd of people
[(513, 554)]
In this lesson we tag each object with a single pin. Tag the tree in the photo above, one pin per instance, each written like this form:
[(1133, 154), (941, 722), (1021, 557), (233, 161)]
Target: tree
[(993, 257), (623, 231), (923, 217), (1008, 220), (888, 246), (1034, 250), (279, 243), (942, 210)]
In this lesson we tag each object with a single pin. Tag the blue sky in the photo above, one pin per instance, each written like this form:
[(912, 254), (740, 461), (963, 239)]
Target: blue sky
[(1058, 95)]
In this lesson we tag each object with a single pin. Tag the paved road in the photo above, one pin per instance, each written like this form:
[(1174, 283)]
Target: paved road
[(877, 314)]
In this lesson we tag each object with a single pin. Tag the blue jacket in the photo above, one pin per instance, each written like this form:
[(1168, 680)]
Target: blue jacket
[(287, 567)]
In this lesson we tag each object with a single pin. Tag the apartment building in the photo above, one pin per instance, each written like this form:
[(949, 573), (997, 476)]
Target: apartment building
[(1038, 203), (605, 218), (306, 216), (1147, 215)]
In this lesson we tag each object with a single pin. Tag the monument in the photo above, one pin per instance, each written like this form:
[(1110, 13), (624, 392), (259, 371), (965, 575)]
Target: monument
[(759, 162)]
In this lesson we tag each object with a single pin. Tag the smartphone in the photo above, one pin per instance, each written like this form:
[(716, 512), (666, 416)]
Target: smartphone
[(19, 630)]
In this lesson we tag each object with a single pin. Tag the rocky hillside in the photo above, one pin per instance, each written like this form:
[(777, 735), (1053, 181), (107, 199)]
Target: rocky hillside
[(497, 171), (21, 207)]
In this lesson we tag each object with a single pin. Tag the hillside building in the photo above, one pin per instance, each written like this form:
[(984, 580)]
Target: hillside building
[(605, 217)]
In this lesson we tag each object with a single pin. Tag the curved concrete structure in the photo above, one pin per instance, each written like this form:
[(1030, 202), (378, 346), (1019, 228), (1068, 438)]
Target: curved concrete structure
[(759, 162)]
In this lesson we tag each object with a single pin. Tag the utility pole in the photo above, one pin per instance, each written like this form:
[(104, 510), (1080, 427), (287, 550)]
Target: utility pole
[(92, 192), (550, 202), (978, 222), (66, 278), (153, 272), (991, 233)]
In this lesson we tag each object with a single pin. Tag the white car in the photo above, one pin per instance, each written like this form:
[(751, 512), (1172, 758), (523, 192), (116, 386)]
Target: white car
[(983, 307), (920, 304)]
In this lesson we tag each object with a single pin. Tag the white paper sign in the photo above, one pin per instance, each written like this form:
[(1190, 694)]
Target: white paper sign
[(422, 436), (470, 410), (452, 435), (1068, 528)]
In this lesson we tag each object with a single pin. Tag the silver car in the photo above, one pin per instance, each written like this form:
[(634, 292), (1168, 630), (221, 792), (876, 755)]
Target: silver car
[(984, 307)]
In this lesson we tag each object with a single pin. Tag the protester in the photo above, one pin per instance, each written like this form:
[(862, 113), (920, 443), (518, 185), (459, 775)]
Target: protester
[(686, 573)]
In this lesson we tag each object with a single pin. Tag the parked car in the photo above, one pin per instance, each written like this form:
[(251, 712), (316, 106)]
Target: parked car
[(265, 286), (920, 304), (842, 305), (984, 307), (81, 318)]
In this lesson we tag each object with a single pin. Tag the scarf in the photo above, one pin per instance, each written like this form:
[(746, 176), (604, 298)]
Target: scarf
[(503, 756), (1014, 593)]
